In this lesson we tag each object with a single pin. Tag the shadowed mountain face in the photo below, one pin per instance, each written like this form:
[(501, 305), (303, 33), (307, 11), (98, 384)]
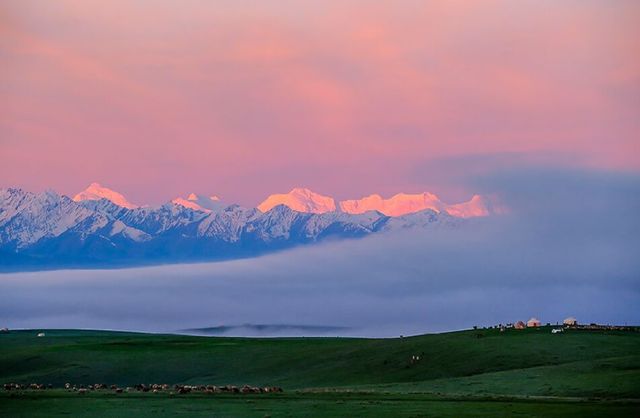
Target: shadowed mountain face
[(49, 230)]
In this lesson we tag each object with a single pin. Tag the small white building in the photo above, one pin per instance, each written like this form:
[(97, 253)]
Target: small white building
[(571, 321), (40, 334), (533, 323)]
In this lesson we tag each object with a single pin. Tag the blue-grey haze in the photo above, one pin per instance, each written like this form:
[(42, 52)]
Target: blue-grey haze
[(569, 246)]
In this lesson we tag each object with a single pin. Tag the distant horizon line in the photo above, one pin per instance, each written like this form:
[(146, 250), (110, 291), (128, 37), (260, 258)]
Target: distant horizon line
[(326, 328)]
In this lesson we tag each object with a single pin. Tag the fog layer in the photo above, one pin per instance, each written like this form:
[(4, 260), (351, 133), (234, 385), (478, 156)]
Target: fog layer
[(568, 245)]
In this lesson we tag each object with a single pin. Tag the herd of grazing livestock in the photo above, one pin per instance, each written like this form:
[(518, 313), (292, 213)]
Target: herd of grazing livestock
[(154, 388)]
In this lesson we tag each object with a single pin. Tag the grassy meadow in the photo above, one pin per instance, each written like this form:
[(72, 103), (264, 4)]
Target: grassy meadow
[(528, 373)]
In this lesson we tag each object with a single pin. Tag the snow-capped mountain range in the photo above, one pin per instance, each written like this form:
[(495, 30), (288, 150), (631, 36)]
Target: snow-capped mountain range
[(304, 200), (100, 227)]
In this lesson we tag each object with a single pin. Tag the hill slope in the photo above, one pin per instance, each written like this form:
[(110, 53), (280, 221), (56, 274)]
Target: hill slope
[(127, 358), (483, 373)]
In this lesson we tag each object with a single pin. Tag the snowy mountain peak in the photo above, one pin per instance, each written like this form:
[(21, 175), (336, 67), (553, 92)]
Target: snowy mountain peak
[(398, 205), (304, 200), (403, 203), (301, 200), (477, 206), (96, 191), (200, 203)]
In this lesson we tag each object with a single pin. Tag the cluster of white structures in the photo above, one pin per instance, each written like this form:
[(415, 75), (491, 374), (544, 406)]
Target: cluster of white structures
[(535, 322)]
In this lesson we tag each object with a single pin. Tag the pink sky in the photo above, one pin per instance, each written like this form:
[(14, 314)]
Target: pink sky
[(244, 98)]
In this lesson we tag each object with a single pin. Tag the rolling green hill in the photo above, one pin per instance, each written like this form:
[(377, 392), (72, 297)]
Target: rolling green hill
[(518, 366)]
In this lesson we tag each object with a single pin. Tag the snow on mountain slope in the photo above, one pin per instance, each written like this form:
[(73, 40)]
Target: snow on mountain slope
[(104, 206), (157, 220), (420, 220), (477, 206), (26, 217), (200, 203), (277, 223), (402, 204), (398, 205), (300, 200), (51, 229), (339, 223), (226, 225), (306, 201), (96, 191), (120, 228)]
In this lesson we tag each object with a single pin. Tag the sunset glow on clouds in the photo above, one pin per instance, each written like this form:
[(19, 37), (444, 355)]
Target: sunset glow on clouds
[(245, 98)]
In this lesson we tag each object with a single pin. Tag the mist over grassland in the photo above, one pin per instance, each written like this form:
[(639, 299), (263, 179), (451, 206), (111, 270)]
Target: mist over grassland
[(568, 245)]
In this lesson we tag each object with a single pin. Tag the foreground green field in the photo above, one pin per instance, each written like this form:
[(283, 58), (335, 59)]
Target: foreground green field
[(301, 405), (470, 373)]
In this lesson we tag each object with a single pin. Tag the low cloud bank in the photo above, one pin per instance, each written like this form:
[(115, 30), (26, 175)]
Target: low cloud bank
[(568, 247)]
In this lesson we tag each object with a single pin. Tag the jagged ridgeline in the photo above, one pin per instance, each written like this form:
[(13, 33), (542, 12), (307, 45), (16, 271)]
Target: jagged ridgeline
[(49, 230)]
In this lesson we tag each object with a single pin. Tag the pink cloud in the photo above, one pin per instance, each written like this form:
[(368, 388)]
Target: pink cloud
[(345, 97)]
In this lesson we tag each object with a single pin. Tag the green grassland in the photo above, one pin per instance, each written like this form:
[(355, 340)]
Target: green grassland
[(469, 373)]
